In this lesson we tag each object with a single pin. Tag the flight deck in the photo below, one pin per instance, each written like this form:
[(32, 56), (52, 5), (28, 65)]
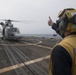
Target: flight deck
[(28, 56)]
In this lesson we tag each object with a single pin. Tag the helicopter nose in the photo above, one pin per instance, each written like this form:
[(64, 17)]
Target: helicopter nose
[(18, 35)]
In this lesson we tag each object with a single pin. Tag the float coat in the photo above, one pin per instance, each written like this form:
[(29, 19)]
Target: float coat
[(69, 44)]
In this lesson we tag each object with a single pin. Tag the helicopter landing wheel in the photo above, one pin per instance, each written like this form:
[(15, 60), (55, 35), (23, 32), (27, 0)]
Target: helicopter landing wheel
[(2, 38)]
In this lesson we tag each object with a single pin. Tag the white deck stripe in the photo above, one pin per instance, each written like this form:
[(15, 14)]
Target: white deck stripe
[(21, 64), (30, 44)]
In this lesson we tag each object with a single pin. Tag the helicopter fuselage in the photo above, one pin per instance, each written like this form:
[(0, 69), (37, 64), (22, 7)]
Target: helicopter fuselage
[(11, 33)]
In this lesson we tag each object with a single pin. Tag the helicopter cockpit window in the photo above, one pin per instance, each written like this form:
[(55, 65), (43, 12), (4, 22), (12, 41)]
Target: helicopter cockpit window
[(18, 30), (15, 30)]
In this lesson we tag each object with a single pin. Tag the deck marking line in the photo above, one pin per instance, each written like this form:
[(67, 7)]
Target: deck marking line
[(21, 64)]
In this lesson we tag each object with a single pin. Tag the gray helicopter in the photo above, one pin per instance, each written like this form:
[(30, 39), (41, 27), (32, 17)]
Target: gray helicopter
[(9, 32)]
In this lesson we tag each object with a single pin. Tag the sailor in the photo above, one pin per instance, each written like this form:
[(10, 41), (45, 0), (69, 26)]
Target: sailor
[(63, 56)]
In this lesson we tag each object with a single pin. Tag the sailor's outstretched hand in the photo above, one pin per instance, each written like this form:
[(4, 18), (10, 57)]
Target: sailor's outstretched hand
[(50, 22)]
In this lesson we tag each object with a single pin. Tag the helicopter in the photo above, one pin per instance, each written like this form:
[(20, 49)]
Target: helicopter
[(10, 32)]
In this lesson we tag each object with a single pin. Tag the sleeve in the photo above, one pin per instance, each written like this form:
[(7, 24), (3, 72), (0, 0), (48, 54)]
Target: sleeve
[(55, 27), (61, 61)]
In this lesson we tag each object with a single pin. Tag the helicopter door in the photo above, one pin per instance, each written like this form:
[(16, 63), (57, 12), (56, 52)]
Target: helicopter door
[(3, 31)]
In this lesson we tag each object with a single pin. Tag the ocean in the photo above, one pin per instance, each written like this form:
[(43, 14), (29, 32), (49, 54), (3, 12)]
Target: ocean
[(44, 35)]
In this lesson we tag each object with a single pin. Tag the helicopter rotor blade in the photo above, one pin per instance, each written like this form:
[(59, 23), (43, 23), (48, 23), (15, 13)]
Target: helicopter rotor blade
[(24, 21), (21, 21), (2, 19)]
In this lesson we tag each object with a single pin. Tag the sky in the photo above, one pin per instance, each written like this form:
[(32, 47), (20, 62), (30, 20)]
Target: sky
[(36, 12)]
